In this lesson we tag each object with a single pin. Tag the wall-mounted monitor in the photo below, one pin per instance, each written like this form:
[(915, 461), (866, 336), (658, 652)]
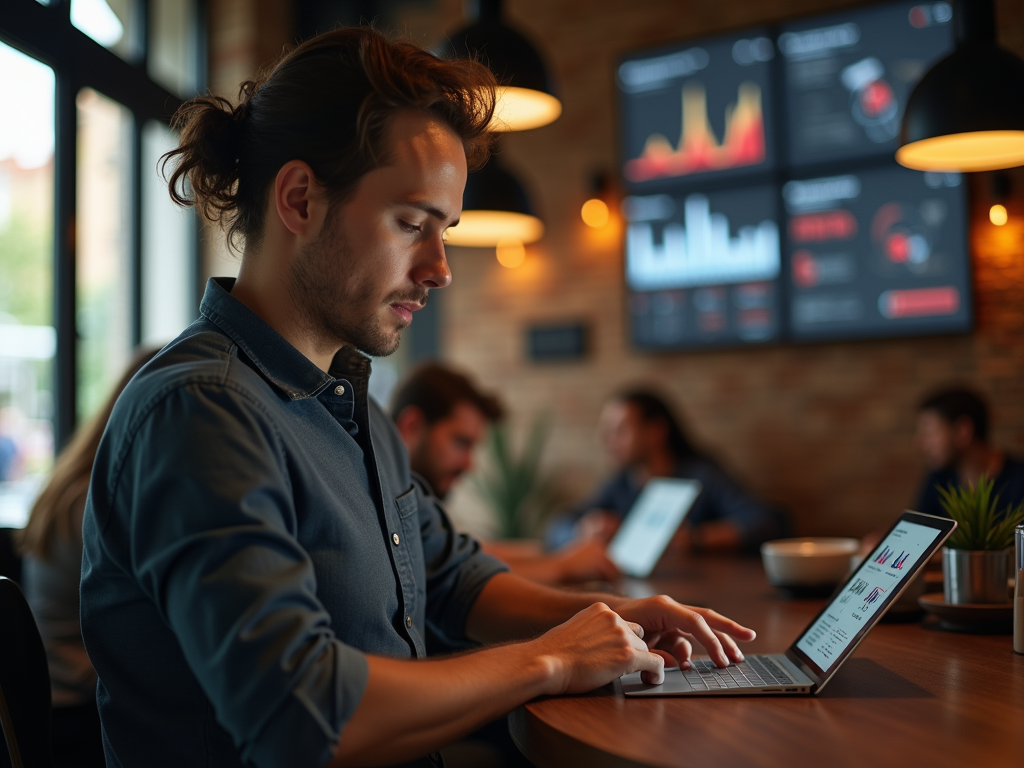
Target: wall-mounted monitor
[(757, 214), (696, 111), (847, 77), (877, 253), (703, 267)]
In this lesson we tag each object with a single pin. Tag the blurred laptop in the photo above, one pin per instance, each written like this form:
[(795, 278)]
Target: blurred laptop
[(811, 661), (650, 525)]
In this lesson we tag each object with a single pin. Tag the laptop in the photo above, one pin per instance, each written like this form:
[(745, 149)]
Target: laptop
[(812, 660), (652, 521)]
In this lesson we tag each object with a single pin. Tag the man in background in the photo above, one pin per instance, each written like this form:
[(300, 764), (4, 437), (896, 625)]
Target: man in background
[(441, 417), (952, 435)]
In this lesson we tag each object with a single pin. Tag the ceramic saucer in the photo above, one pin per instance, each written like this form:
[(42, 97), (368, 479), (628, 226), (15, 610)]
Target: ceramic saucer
[(968, 617)]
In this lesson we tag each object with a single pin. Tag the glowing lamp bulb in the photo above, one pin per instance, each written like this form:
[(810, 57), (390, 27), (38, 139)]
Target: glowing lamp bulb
[(997, 215), (510, 253), (594, 213)]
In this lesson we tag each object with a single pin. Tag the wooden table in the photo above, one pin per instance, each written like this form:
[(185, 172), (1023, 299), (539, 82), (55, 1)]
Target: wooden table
[(911, 696)]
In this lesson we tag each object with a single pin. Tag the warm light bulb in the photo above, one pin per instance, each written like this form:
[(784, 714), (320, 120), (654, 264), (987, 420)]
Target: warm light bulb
[(997, 215), (595, 213), (485, 229), (510, 253), (520, 109), (973, 151)]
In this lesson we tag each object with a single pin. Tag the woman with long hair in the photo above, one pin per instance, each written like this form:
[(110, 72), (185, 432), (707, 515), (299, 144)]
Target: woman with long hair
[(51, 544)]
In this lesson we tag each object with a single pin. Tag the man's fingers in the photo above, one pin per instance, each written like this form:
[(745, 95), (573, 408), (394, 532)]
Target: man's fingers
[(731, 649), (637, 629), (702, 634), (678, 646), (651, 665), (722, 624)]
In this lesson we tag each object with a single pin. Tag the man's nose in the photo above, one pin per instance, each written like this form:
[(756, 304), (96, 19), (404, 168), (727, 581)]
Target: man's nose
[(432, 268)]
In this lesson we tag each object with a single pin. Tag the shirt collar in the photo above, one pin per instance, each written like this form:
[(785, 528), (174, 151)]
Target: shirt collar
[(280, 363)]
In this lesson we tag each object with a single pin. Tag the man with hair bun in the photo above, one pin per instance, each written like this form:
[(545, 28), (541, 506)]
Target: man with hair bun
[(260, 570)]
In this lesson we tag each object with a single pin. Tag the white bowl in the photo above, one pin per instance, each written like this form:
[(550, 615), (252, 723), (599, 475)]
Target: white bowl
[(808, 562)]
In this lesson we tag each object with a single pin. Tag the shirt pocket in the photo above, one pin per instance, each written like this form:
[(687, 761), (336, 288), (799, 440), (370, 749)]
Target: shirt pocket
[(407, 504)]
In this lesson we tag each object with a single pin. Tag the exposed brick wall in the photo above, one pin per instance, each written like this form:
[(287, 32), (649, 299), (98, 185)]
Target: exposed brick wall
[(827, 430)]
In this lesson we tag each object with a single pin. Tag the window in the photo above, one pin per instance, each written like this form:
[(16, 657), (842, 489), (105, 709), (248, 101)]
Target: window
[(94, 258), (27, 336)]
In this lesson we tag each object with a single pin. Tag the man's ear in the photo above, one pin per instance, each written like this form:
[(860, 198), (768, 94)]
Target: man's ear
[(411, 424), (299, 200)]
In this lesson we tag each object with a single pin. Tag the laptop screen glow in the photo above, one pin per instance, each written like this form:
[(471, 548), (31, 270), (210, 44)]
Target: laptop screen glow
[(650, 524), (880, 575)]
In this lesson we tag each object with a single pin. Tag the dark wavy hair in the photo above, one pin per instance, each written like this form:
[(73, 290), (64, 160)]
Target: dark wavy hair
[(653, 408), (437, 390), (955, 404), (328, 103)]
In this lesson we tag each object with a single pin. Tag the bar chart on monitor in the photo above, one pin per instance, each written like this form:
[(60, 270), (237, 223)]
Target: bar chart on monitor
[(703, 266)]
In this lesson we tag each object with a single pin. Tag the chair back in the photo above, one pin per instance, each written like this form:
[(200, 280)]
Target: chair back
[(10, 560), (24, 683)]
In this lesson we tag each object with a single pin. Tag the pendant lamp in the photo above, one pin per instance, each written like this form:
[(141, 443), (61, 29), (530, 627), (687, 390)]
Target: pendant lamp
[(495, 209), (967, 112), (525, 97)]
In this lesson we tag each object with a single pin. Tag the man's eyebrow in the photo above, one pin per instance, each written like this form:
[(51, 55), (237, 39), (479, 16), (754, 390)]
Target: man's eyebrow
[(437, 213)]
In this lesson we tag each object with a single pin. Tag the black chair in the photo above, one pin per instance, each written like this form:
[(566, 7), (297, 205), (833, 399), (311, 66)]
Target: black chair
[(10, 560), (24, 684)]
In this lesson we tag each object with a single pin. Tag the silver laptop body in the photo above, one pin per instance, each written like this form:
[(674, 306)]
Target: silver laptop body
[(811, 661)]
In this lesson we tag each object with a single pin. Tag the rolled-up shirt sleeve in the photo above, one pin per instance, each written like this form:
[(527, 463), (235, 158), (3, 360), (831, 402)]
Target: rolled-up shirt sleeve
[(457, 571), (212, 540)]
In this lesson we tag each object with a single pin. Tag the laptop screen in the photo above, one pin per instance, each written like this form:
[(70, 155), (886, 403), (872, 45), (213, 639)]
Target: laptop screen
[(650, 524), (852, 612)]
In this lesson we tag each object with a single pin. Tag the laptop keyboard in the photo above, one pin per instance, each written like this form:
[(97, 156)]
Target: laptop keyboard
[(755, 672)]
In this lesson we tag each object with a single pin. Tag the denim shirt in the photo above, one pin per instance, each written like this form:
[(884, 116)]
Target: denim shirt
[(252, 530)]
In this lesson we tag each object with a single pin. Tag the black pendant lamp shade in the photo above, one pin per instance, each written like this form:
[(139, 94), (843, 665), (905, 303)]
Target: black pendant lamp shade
[(967, 113), (495, 209), (526, 98)]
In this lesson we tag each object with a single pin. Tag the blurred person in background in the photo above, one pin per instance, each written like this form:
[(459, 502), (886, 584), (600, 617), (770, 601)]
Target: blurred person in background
[(51, 544), (442, 417), (644, 439), (953, 438)]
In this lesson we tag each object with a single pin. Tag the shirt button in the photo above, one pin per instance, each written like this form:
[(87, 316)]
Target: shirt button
[(408, 621), (339, 390), (394, 538)]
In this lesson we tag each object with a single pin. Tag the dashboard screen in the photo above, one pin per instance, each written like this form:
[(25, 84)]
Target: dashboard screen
[(848, 76), (697, 111), (877, 253), (703, 267)]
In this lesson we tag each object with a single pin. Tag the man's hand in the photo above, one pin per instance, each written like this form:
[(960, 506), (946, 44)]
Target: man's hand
[(585, 561), (593, 648), (597, 525), (672, 627)]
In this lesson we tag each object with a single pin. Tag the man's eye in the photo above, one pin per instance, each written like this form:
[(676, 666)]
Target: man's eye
[(409, 227)]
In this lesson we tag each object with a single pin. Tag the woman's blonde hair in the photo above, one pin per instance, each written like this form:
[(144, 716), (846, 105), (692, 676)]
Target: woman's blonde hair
[(56, 513)]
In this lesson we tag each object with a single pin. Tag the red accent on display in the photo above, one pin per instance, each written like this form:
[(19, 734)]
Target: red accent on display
[(897, 247), (698, 148), (876, 98), (817, 227), (805, 270), (918, 17), (920, 302)]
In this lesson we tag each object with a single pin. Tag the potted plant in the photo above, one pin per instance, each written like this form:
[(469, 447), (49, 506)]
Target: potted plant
[(976, 558), (509, 481)]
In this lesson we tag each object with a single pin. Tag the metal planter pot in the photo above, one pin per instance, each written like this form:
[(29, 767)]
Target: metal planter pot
[(975, 576)]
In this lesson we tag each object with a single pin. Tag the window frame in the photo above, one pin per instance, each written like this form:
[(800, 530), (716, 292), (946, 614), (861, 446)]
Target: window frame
[(45, 32)]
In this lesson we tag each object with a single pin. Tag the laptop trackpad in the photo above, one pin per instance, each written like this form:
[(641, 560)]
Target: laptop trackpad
[(632, 685)]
